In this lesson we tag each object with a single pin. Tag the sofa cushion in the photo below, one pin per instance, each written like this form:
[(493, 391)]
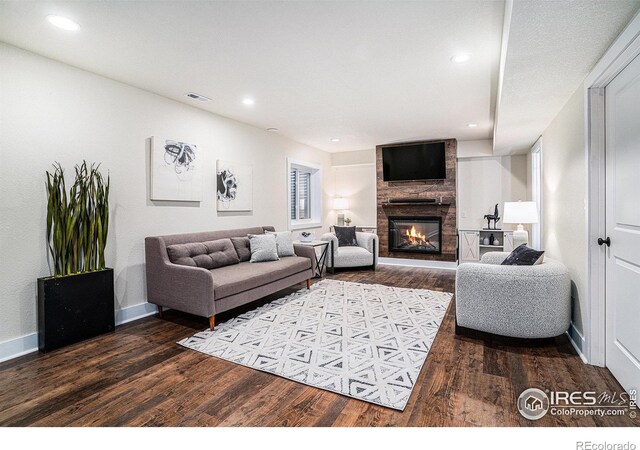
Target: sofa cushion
[(524, 256), (243, 249), (232, 280), (263, 248), (284, 244), (352, 257), (208, 255), (346, 236)]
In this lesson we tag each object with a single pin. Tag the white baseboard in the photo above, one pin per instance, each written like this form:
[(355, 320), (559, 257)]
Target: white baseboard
[(19, 346), (577, 340), (28, 343), (135, 312), (418, 263)]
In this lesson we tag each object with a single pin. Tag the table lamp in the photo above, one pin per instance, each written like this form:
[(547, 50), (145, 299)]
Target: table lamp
[(340, 204), (520, 213)]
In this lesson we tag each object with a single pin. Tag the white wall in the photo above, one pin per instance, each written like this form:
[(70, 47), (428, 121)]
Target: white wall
[(485, 180), (469, 149), (354, 158), (564, 196), (354, 177), (50, 112)]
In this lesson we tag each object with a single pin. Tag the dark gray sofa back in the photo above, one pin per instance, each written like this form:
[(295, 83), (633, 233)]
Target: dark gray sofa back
[(205, 236)]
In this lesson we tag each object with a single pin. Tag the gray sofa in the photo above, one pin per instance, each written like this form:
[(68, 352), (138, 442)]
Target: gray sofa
[(365, 254), (528, 302), (207, 292)]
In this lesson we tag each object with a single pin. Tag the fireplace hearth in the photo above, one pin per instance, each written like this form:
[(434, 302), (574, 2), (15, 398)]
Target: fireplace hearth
[(415, 234)]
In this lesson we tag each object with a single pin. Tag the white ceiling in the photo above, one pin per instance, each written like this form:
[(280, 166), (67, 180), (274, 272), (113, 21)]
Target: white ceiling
[(551, 47), (365, 72)]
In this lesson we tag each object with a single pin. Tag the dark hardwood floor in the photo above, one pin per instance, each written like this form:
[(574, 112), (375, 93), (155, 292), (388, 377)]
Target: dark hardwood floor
[(139, 376)]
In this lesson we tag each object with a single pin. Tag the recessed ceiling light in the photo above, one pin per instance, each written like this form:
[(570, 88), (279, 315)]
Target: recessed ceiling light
[(273, 129), (335, 140), (460, 58), (63, 22), (248, 101), (472, 125), (200, 98)]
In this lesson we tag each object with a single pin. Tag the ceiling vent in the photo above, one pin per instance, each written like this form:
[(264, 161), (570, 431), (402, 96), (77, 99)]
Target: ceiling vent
[(200, 98)]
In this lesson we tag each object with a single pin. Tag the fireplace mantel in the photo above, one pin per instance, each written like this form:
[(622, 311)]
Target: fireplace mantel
[(389, 204)]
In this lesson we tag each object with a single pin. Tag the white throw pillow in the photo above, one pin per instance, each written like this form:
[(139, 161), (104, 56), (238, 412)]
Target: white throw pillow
[(283, 243), (263, 247)]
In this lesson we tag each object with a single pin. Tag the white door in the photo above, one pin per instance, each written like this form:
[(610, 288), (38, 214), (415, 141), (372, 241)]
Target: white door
[(536, 192), (622, 97), (469, 246)]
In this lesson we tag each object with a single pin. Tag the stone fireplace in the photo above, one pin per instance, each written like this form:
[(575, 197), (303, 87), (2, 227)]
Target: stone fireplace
[(418, 201), (415, 234)]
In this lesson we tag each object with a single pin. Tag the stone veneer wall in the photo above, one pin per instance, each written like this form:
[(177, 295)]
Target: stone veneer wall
[(420, 189)]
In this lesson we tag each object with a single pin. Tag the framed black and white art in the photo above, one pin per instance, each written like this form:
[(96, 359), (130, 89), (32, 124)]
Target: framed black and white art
[(176, 171), (234, 186)]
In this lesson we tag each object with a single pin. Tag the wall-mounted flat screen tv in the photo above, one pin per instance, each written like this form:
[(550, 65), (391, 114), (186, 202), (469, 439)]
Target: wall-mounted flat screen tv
[(414, 162)]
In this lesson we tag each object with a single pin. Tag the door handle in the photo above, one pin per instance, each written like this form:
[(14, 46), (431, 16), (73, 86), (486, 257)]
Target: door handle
[(604, 241)]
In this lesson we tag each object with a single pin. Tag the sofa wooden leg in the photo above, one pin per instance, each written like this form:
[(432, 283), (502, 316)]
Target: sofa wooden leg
[(309, 283), (160, 312), (212, 322)]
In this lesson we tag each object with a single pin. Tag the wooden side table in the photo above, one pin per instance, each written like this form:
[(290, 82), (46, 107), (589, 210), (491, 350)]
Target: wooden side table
[(321, 260)]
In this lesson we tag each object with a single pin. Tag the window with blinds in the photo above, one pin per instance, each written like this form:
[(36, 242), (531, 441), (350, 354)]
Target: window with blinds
[(305, 195), (300, 185)]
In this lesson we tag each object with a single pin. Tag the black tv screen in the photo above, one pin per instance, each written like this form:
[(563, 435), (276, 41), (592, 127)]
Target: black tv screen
[(414, 162)]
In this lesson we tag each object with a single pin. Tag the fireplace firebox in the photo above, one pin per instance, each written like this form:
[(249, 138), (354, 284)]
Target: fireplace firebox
[(415, 234)]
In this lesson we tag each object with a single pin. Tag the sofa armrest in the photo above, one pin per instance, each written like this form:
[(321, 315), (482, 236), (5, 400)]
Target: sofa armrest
[(370, 242), (493, 272), (185, 288), (328, 237), (367, 241), (306, 251), (333, 246), (494, 257)]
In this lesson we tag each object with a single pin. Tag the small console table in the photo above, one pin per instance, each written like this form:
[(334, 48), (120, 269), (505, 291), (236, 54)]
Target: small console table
[(321, 260), (472, 247)]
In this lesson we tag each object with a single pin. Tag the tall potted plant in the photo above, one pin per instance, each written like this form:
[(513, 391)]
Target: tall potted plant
[(76, 303)]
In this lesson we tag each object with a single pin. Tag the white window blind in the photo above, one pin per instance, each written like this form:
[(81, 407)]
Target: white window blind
[(293, 185), (300, 183), (305, 195)]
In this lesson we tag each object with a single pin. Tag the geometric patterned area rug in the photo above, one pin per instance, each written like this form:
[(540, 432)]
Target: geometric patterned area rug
[(365, 341)]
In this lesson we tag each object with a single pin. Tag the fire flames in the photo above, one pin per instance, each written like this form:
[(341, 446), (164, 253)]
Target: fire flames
[(415, 237)]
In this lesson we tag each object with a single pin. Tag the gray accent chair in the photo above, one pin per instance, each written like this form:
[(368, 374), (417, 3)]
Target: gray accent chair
[(364, 255), (530, 302), (207, 292)]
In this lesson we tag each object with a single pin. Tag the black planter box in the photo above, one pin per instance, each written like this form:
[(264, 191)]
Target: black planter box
[(74, 307)]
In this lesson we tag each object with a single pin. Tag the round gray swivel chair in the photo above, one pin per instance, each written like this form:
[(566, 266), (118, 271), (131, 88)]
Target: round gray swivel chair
[(515, 301)]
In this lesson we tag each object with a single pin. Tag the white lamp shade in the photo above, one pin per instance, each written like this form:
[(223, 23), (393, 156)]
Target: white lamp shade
[(520, 212), (340, 203)]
